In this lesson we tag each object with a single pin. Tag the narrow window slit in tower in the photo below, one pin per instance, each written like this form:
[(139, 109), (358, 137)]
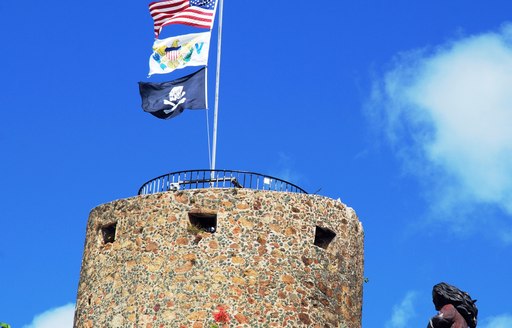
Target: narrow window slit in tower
[(203, 221), (109, 233), (323, 237)]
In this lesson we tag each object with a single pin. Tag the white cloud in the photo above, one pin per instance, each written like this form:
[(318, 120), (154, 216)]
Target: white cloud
[(448, 112), (502, 321), (284, 169), (61, 317), (403, 312)]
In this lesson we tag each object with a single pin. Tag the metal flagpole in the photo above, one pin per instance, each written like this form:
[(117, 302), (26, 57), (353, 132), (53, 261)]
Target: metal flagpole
[(216, 109), (207, 116)]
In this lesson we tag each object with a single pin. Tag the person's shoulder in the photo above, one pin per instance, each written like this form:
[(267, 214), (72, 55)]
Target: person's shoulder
[(448, 312)]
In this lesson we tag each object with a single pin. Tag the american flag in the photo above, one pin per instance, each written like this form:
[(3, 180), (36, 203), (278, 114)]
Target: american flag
[(198, 13)]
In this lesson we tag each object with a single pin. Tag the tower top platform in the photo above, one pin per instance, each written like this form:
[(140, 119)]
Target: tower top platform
[(204, 178)]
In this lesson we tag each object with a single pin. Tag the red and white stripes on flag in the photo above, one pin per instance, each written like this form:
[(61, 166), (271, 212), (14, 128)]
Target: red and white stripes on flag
[(180, 12)]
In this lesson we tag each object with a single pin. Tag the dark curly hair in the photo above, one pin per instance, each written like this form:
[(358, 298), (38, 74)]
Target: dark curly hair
[(443, 294)]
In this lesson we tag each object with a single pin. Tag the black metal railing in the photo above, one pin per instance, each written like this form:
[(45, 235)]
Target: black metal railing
[(198, 179)]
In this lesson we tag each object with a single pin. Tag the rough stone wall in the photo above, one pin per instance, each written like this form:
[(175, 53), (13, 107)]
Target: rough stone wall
[(261, 264)]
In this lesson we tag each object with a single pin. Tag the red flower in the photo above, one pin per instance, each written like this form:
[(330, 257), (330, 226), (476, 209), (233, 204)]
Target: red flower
[(221, 315)]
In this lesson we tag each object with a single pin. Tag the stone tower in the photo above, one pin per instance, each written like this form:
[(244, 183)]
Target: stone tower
[(269, 258)]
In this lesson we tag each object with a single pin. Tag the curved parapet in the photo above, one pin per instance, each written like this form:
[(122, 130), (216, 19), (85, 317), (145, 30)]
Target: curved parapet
[(269, 259)]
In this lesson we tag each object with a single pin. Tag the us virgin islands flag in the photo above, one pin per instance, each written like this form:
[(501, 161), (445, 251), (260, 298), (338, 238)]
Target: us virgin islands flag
[(169, 99), (178, 52)]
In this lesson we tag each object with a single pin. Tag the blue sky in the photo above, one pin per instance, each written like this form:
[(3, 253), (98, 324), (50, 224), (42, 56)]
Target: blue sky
[(402, 109)]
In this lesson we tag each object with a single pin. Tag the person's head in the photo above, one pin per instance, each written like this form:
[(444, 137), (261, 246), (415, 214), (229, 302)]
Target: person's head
[(443, 294)]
